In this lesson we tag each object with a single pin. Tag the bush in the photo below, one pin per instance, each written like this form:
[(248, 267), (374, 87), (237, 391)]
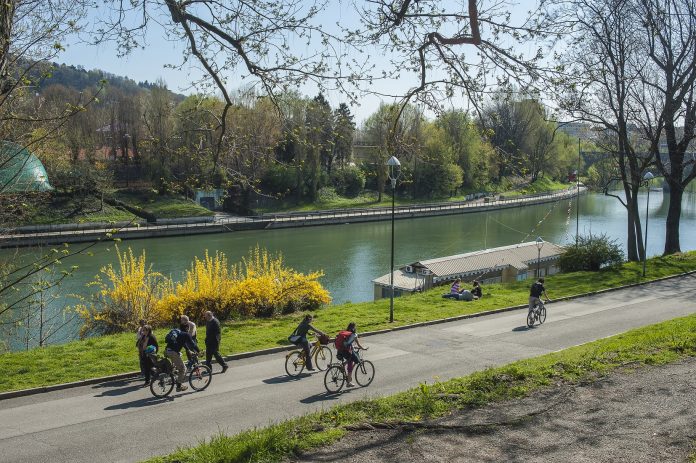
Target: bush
[(348, 181), (126, 295), (261, 286), (591, 252)]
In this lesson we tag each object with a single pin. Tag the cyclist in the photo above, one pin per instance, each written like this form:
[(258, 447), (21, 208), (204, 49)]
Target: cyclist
[(535, 293), (299, 338), (176, 340), (345, 351)]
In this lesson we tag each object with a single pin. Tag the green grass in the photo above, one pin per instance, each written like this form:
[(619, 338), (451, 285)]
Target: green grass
[(652, 345), (163, 207), (60, 209), (542, 185), (369, 199), (108, 355)]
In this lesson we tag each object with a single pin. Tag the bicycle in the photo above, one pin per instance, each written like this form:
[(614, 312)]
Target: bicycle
[(336, 376), (538, 313), (320, 352), (164, 375)]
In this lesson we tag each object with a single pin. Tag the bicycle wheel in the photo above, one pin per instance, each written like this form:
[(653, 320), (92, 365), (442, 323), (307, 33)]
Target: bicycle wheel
[(531, 318), (364, 373), (200, 377), (542, 314), (162, 385), (334, 379), (294, 363), (323, 358)]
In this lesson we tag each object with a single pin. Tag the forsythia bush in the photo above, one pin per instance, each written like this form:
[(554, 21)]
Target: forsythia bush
[(125, 295), (260, 285)]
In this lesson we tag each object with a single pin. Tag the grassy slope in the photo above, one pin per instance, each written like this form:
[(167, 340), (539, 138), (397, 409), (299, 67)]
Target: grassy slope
[(652, 345), (114, 354), (68, 210), (369, 199), (163, 207)]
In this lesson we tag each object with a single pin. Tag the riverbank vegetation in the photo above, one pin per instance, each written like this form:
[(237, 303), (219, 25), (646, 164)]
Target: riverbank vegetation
[(106, 355), (261, 285), (657, 344)]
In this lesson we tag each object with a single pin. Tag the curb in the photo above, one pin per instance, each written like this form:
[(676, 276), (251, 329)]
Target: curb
[(275, 350)]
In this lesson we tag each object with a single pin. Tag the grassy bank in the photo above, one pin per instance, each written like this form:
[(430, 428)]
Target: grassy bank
[(370, 198), (162, 207), (56, 209), (652, 345), (113, 354)]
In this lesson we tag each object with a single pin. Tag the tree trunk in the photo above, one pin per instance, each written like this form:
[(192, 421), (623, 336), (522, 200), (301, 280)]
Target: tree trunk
[(7, 9), (673, 217)]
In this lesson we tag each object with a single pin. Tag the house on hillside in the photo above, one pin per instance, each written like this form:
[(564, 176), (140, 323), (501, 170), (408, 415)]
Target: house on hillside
[(498, 265)]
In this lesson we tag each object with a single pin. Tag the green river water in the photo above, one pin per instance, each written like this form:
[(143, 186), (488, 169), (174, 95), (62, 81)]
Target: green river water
[(351, 255)]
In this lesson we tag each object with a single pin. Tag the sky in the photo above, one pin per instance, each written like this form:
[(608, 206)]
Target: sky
[(150, 63)]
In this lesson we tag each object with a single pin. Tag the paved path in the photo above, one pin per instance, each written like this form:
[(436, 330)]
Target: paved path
[(121, 422)]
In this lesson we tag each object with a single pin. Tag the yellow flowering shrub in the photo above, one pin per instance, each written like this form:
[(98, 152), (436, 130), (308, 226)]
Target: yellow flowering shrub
[(126, 294), (260, 285)]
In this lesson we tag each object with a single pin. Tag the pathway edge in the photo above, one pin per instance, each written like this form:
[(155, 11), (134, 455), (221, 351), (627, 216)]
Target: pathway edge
[(274, 350)]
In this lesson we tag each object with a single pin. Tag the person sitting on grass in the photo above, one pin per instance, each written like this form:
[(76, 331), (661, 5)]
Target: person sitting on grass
[(457, 293), (476, 290)]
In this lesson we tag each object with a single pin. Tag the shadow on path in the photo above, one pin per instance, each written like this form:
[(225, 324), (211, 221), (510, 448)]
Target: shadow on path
[(322, 397), (146, 402), (285, 379), (523, 328), (116, 388)]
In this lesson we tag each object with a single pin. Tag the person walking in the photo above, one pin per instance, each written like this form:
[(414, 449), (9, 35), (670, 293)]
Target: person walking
[(192, 330), (138, 338), (212, 341), (147, 339)]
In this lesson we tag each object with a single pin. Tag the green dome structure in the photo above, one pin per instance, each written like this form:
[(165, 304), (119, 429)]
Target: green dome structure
[(21, 171)]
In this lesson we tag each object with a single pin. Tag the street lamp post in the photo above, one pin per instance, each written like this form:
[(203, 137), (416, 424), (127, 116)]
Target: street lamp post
[(539, 245), (647, 177), (577, 200), (394, 171)]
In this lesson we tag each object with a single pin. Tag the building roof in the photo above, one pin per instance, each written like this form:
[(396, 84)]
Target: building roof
[(519, 256), (20, 170)]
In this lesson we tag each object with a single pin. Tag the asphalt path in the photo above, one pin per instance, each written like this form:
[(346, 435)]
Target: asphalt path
[(122, 422)]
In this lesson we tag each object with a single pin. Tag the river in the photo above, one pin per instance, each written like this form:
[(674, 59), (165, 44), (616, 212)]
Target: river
[(351, 255)]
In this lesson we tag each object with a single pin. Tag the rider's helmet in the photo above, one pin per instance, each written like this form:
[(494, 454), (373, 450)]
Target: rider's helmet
[(150, 349)]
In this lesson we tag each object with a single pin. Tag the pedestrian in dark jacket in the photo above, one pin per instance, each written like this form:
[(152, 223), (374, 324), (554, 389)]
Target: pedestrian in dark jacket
[(212, 341), (146, 338)]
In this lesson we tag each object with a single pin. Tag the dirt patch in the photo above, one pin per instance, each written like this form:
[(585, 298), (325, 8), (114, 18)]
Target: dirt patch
[(645, 415)]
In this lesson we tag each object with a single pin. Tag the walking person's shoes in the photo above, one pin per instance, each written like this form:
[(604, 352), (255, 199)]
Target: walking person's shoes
[(224, 369), (181, 387)]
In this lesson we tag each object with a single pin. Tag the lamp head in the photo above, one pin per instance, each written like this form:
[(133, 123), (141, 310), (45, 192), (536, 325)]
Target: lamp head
[(394, 168), (539, 243), (648, 176)]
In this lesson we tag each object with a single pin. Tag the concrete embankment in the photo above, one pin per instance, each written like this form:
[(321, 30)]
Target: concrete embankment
[(71, 233)]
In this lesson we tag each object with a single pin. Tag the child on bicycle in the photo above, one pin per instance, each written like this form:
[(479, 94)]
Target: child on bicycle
[(344, 349), (299, 338)]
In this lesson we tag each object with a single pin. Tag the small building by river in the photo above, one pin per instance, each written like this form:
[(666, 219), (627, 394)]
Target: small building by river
[(497, 265)]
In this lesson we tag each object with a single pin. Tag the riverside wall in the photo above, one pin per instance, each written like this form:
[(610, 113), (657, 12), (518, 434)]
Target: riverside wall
[(71, 233)]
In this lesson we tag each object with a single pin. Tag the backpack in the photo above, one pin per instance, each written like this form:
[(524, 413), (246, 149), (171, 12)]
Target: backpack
[(341, 338), (171, 337)]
